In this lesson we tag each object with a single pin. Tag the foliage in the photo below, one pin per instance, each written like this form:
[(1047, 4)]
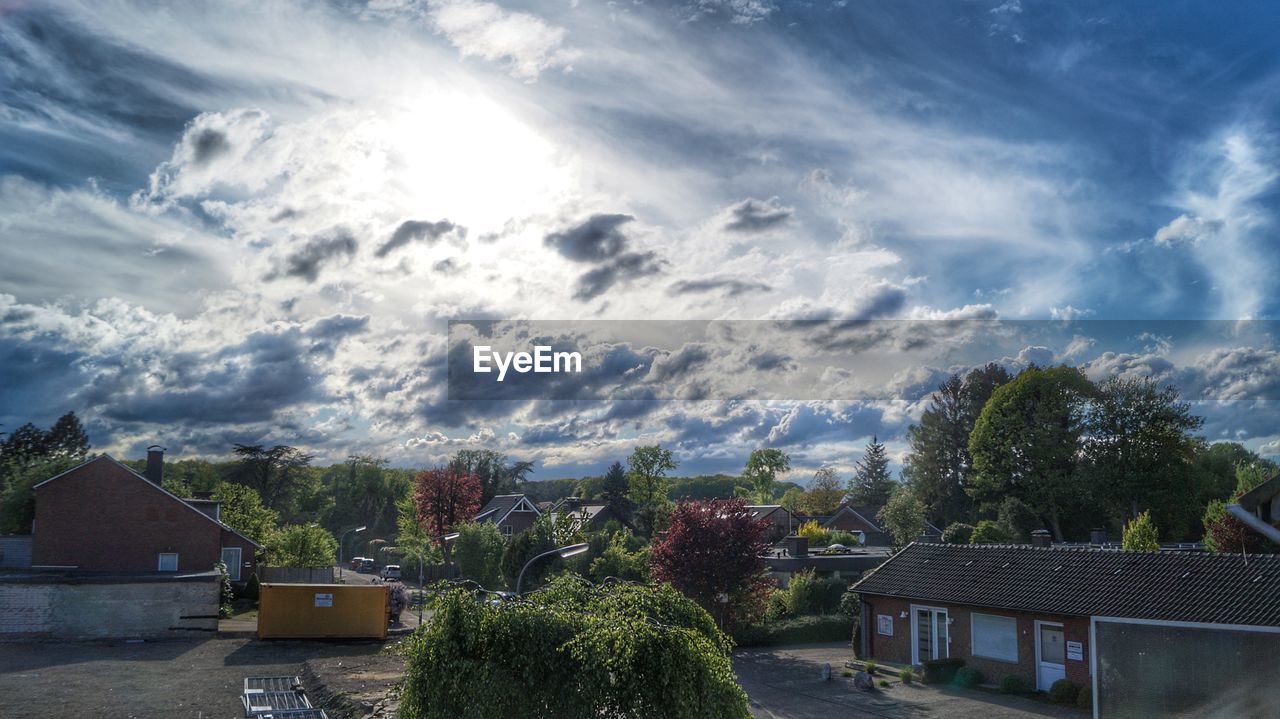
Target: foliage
[(647, 469), (1224, 533), (1017, 519), (988, 532), (1084, 700), (620, 560), (414, 543), (525, 546), (792, 499), (1026, 442), (848, 539), (1063, 691), (478, 550), (252, 588), (1014, 684), (29, 445), (18, 500), (968, 677), (571, 651), (1251, 473), (825, 493), (493, 471), (763, 467), (884, 683), (957, 533), (871, 484), (903, 516), (807, 593), (850, 603), (614, 490), (365, 492), (278, 474), (301, 545), (870, 666), (817, 535), (242, 510), (712, 553), (938, 467), (226, 594), (1141, 535), (941, 671), (907, 675), (797, 630), (446, 497)]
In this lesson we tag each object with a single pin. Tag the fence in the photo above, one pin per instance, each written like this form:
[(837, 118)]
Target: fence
[(296, 575)]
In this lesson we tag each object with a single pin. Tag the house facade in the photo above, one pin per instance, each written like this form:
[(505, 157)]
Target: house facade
[(513, 513), (781, 521), (103, 517), (1151, 633), (587, 514)]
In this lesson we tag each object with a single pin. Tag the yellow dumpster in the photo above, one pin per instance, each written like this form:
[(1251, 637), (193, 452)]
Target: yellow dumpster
[(323, 611)]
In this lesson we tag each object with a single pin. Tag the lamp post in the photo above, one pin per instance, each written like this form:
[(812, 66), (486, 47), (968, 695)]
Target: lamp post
[(342, 539), (564, 552), (422, 560)]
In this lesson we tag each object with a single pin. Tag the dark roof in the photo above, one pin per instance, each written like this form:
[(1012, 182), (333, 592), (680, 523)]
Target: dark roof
[(1171, 586), (499, 507), (1259, 494)]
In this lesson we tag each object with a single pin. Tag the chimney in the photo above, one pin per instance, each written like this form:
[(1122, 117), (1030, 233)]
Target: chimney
[(1097, 536), (797, 546), (155, 464), (1040, 538)]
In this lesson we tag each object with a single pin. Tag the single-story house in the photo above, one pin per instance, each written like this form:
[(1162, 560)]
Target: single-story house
[(781, 521), (104, 517), (861, 521), (1152, 633), (513, 513), (589, 514), (794, 556)]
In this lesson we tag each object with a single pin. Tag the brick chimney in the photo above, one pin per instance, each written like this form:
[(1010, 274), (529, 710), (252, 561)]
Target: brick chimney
[(155, 464), (1041, 538)]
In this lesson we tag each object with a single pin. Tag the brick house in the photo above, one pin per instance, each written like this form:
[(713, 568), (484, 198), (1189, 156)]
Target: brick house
[(513, 513), (862, 522), (103, 517), (1151, 633), (781, 521)]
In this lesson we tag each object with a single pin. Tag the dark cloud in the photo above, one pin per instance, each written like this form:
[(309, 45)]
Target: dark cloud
[(598, 239), (305, 263), (731, 287), (629, 266), (208, 144), (416, 230), (752, 215), (448, 266)]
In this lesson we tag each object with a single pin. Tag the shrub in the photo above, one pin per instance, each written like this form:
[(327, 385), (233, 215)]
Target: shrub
[(870, 666), (1084, 700), (807, 593), (884, 683), (478, 553), (941, 671), (968, 677), (907, 675), (798, 630), (850, 604), (847, 673), (988, 532), (1064, 691), (775, 607), (225, 593), (957, 533), (1141, 535), (1013, 684), (848, 539), (301, 545), (815, 533)]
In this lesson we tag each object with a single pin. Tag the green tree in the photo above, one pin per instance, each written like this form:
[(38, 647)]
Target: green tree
[(647, 469), (763, 467), (278, 474), (525, 546), (938, 465), (242, 510), (1026, 443), (957, 533), (301, 545), (67, 439), (1017, 520), (624, 557), (792, 499), (989, 532), (825, 493), (478, 551), (413, 541), (1140, 534), (903, 516), (496, 473), (614, 490), (872, 485), (18, 501)]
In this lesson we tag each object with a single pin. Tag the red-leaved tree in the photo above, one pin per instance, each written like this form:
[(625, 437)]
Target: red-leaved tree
[(445, 497), (711, 553)]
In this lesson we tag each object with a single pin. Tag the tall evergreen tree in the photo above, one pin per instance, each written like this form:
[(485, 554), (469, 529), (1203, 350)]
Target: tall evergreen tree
[(614, 490), (872, 485)]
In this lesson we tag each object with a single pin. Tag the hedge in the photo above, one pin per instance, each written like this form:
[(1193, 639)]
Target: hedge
[(800, 630)]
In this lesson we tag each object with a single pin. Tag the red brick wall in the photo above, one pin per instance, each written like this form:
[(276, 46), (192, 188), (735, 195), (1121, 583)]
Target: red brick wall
[(102, 517), (897, 649)]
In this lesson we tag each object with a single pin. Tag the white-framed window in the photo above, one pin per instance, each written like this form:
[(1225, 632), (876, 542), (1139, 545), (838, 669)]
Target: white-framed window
[(884, 624), (231, 558), (506, 530), (168, 562), (994, 637)]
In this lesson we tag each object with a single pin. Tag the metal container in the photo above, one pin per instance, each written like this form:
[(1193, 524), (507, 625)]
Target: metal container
[(323, 611)]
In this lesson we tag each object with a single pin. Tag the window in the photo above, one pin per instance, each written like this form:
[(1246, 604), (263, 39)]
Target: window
[(168, 562), (506, 530), (884, 624), (231, 558), (995, 637)]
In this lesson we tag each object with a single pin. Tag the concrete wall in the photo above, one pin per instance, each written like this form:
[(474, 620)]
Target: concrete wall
[(296, 575), (39, 607)]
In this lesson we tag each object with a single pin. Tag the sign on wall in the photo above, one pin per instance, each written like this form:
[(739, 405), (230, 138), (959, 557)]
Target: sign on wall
[(884, 624), (1075, 651), (324, 600)]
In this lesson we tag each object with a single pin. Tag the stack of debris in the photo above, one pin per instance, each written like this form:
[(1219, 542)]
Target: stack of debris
[(277, 698)]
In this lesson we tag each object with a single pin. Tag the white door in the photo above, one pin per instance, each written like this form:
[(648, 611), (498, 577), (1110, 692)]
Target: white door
[(930, 634), (231, 558), (1051, 655)]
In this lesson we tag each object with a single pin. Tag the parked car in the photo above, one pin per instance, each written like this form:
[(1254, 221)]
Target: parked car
[(356, 563), (390, 572), (366, 565)]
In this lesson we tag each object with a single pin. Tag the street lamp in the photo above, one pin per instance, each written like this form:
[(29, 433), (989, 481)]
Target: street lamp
[(564, 552), (422, 560), (343, 538)]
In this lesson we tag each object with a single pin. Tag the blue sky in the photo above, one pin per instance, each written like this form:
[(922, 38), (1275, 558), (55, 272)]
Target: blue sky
[(251, 222)]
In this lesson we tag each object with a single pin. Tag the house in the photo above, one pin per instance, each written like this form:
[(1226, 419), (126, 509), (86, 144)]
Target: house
[(513, 513), (1259, 508), (104, 517), (1152, 633), (861, 521), (794, 557), (589, 514), (781, 521)]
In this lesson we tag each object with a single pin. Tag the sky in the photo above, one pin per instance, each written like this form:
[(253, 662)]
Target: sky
[(246, 222)]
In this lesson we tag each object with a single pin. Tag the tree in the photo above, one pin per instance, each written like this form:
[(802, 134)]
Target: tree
[(825, 493), (1224, 533), (1026, 443), (67, 439), (903, 516), (712, 554), (938, 465), (647, 469), (18, 501), (763, 467), (302, 545), (365, 492), (614, 491), (276, 473), (478, 552), (792, 499), (525, 546), (412, 539), (872, 485), (1140, 534), (1017, 520), (496, 474), (957, 533), (989, 532), (446, 497), (624, 557), (242, 510)]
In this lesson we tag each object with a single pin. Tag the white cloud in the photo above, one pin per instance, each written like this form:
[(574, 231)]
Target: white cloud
[(528, 44), (1188, 229)]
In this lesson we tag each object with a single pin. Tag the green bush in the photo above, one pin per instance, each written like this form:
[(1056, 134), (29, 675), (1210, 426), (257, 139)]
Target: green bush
[(807, 593), (1084, 700), (941, 671), (988, 532), (478, 551), (848, 539), (907, 675), (884, 683), (1013, 684), (225, 593), (798, 630), (957, 533), (870, 666), (968, 677), (1064, 691)]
